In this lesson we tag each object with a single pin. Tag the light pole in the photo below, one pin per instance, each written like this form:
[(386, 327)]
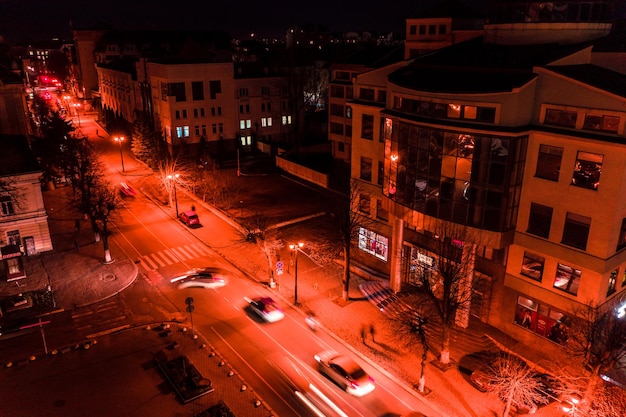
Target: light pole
[(76, 106), (120, 139), (296, 248), (173, 179)]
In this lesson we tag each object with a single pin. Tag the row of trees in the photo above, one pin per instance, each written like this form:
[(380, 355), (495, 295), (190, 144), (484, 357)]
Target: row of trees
[(65, 152)]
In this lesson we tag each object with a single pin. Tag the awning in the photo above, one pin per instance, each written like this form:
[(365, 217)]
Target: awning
[(10, 251)]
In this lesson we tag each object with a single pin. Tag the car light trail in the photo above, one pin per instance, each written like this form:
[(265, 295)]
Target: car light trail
[(309, 404), (327, 401)]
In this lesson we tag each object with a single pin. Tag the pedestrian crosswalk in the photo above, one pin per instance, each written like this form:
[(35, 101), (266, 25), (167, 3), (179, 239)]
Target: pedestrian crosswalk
[(171, 256)]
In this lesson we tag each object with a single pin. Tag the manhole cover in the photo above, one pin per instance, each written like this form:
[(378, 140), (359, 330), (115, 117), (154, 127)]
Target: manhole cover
[(108, 277)]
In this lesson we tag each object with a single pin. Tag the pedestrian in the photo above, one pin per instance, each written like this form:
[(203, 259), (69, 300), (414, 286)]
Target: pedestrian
[(373, 332), (363, 332), (193, 207), (97, 133)]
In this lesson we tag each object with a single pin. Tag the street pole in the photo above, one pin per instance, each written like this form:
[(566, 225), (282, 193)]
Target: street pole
[(173, 179), (119, 140), (297, 249)]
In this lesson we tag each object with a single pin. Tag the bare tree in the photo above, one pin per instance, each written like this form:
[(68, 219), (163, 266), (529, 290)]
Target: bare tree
[(409, 329), (447, 284), (104, 200), (514, 382), (258, 231), (597, 335), (351, 213)]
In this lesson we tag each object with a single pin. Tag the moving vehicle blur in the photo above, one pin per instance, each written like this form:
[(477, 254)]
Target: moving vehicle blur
[(266, 308), (201, 278), (345, 372)]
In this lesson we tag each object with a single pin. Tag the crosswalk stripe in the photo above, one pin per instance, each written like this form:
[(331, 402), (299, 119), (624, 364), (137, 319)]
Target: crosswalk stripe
[(152, 265), (169, 254), (199, 249), (157, 256), (181, 254)]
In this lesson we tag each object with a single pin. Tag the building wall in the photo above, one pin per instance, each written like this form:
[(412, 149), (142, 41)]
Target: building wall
[(13, 110), (30, 217)]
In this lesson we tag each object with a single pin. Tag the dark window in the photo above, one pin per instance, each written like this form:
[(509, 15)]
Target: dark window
[(366, 94), (366, 169), (412, 30), (587, 170), (442, 29), (599, 122), (539, 220), (576, 231), (341, 147), (177, 113), (337, 91), (486, 114), (422, 29), (336, 128), (562, 118), (382, 96), (177, 90), (567, 279), (336, 110), (364, 203), (432, 29), (549, 162), (532, 266), (612, 282), (367, 126), (215, 88), (381, 213), (195, 113), (349, 112), (342, 75), (621, 242), (197, 90), (381, 173), (7, 205)]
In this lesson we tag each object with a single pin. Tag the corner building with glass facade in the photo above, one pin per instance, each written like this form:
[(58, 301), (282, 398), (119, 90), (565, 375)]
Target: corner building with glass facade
[(517, 143)]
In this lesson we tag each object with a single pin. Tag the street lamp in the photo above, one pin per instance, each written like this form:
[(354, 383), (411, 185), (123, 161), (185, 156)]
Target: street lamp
[(572, 406), (76, 105), (296, 248), (120, 139), (173, 179)]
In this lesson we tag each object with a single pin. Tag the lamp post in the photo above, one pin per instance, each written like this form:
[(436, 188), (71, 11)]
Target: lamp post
[(120, 139), (573, 406), (173, 179), (76, 106), (296, 248)]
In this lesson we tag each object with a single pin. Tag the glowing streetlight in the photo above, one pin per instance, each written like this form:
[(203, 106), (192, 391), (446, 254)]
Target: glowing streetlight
[(120, 139), (76, 106), (296, 248), (573, 406), (173, 179)]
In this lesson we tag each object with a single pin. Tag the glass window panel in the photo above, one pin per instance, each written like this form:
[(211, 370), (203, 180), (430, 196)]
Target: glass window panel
[(567, 279)]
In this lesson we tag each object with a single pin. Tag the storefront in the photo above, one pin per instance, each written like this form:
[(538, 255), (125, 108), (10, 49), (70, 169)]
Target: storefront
[(542, 320)]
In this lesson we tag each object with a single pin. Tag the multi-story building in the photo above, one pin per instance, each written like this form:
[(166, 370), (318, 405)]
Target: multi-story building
[(13, 108), (517, 142), (23, 218), (443, 25)]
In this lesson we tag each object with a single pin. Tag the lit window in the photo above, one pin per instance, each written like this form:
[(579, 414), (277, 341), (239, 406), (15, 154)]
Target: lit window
[(373, 243), (242, 124), (532, 266), (454, 111), (612, 282), (248, 124), (549, 162), (567, 279), (269, 122), (179, 132), (587, 170), (263, 122)]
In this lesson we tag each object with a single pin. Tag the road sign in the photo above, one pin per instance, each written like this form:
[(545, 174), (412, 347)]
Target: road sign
[(279, 265), (190, 308), (189, 301), (279, 271)]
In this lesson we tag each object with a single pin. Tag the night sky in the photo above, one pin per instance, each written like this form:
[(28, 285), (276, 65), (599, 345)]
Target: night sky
[(43, 19)]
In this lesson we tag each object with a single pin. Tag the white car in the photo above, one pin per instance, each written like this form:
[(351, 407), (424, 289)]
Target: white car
[(201, 278), (266, 308), (345, 372)]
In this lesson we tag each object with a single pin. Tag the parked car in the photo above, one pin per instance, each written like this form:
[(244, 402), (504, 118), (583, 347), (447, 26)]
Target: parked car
[(482, 380), (201, 278), (345, 372), (266, 308), (548, 389), (189, 217)]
